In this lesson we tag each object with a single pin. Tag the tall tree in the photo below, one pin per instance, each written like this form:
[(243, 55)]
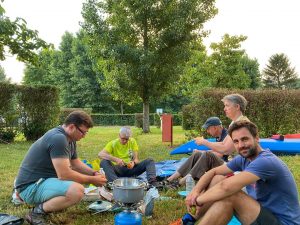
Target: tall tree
[(228, 66), (251, 68), (144, 44), (279, 73), (18, 39), (225, 65)]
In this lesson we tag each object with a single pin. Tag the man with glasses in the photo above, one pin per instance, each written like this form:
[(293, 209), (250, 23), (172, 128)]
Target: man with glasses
[(119, 158), (51, 175)]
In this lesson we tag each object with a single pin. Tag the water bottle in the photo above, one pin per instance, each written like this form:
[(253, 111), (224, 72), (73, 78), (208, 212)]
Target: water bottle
[(189, 183)]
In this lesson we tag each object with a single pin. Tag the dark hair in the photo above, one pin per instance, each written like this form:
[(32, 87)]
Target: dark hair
[(251, 127), (238, 100), (79, 118)]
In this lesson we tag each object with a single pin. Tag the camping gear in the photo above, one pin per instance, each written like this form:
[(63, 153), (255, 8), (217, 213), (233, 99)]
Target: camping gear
[(100, 206), (287, 146), (128, 190), (6, 219), (128, 218), (282, 137)]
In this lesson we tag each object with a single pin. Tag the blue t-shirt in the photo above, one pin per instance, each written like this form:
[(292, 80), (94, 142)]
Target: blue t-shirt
[(276, 189)]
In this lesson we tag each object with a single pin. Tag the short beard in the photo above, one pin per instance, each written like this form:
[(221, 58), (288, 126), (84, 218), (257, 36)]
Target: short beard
[(251, 152)]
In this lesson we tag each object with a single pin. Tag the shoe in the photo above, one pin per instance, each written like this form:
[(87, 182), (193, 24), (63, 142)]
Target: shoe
[(173, 185), (36, 218), (155, 184)]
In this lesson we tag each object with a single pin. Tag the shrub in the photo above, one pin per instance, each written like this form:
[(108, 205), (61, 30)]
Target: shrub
[(273, 111), (40, 110)]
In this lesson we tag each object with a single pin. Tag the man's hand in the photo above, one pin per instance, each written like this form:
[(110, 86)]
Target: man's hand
[(120, 162), (200, 140), (99, 180), (190, 200), (130, 165)]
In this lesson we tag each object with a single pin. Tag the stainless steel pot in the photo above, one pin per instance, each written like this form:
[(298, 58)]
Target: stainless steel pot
[(128, 190)]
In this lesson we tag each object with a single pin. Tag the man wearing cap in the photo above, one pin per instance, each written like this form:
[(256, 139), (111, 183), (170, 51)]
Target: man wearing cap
[(119, 158), (202, 161)]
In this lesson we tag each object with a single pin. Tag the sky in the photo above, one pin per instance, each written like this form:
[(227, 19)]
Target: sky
[(270, 25)]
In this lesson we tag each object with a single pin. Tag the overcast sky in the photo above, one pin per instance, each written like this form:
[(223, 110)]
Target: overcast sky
[(270, 25)]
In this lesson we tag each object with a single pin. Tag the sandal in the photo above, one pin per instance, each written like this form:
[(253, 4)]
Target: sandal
[(170, 184)]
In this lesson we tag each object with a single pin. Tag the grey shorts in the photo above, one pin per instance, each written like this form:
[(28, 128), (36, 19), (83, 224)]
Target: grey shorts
[(265, 217)]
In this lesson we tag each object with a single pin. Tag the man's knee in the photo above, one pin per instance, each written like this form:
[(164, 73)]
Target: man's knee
[(75, 192), (216, 179), (104, 163), (149, 160)]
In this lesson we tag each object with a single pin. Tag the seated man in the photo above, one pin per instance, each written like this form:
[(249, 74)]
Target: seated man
[(119, 158), (217, 198), (51, 175), (201, 161)]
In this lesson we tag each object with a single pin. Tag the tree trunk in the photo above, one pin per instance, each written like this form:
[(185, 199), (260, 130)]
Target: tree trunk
[(146, 126), (122, 109)]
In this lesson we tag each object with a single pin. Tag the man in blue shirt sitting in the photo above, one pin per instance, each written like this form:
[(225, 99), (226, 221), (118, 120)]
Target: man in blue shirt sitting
[(275, 201)]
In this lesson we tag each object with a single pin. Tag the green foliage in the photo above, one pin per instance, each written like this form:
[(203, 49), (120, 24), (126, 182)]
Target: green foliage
[(18, 39), (270, 110), (251, 68), (139, 120), (228, 66), (142, 46), (40, 110), (8, 112), (279, 73), (72, 70), (3, 77)]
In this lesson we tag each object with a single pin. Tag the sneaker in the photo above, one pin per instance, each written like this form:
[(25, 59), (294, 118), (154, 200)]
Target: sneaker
[(36, 218)]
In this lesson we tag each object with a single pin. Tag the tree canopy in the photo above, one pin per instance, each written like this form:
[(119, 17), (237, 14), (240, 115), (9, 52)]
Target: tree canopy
[(143, 45), (17, 39), (279, 73)]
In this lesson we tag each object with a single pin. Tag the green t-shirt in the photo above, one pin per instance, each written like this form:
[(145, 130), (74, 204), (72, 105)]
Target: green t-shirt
[(115, 148)]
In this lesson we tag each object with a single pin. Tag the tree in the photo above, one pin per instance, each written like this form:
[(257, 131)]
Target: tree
[(18, 39), (144, 44), (228, 66), (279, 73), (3, 77), (225, 65), (251, 68)]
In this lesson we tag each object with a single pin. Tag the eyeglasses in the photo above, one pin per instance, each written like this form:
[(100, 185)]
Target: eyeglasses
[(124, 139), (81, 131)]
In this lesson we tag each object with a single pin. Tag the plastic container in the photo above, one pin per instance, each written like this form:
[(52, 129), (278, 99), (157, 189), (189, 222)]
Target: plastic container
[(189, 183), (128, 218)]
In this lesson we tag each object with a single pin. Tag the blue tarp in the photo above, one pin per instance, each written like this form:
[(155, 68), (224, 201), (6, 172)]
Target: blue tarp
[(288, 146)]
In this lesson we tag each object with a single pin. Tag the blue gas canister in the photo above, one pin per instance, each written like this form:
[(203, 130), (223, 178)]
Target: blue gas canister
[(128, 218)]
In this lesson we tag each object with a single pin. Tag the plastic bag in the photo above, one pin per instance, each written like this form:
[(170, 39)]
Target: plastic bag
[(6, 219), (147, 207)]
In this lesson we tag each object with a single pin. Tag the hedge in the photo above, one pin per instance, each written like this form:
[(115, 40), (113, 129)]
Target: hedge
[(273, 111), (30, 109)]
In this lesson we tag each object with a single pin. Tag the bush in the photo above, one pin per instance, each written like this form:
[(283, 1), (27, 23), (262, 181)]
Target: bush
[(273, 111), (64, 112), (39, 110), (138, 120)]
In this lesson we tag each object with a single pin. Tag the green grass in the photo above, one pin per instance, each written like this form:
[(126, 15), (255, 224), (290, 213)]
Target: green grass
[(88, 148)]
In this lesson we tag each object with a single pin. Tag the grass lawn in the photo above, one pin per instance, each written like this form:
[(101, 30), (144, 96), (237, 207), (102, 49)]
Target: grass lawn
[(88, 148)]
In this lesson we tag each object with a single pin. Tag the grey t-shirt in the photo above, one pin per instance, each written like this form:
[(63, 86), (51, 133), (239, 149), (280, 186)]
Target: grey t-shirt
[(37, 162)]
